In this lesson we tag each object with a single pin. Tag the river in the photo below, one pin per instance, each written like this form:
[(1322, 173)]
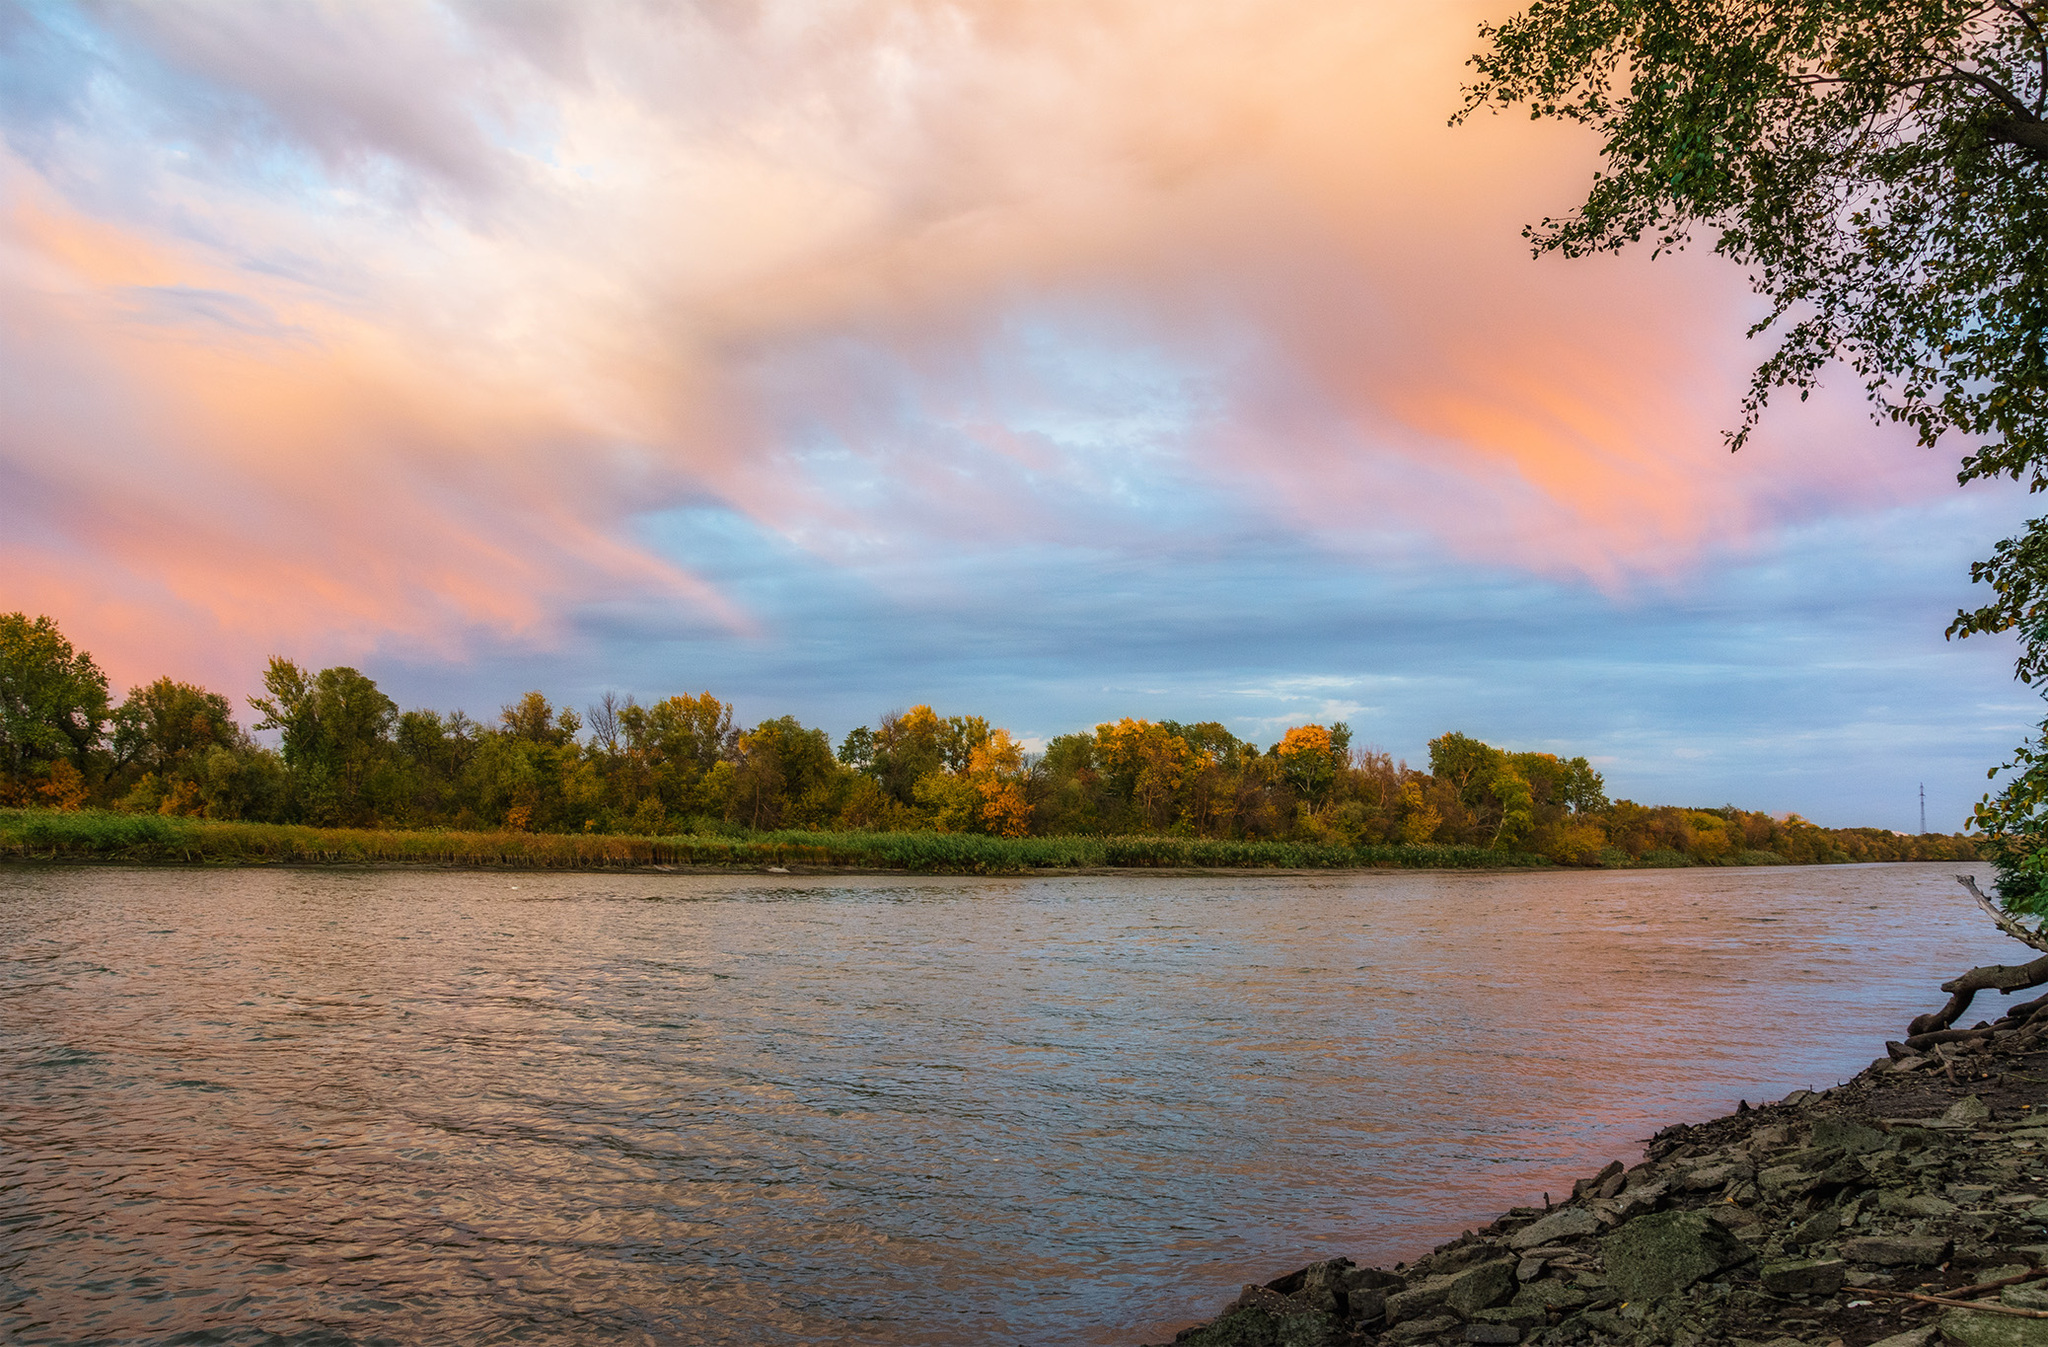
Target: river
[(326, 1107)]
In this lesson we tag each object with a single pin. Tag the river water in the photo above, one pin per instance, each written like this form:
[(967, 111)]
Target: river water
[(409, 1107)]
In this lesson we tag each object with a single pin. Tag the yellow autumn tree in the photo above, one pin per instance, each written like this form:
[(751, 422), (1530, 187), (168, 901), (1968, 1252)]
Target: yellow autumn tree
[(1149, 761), (1308, 761), (996, 767)]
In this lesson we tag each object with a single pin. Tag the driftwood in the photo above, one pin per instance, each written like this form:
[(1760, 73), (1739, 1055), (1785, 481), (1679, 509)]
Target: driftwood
[(1983, 1306), (2006, 978)]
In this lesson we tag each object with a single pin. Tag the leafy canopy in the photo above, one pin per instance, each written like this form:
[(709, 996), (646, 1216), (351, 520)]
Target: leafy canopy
[(1878, 167), (53, 699)]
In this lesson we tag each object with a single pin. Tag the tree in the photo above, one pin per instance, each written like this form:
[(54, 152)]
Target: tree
[(1878, 167), (164, 726), (336, 727), (1310, 762), (53, 704)]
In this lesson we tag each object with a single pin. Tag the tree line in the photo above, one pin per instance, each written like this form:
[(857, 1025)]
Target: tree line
[(348, 756)]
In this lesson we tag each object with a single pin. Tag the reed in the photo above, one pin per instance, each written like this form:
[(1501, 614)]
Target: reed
[(34, 834)]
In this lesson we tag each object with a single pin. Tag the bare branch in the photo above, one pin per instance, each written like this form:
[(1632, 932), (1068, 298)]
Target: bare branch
[(2033, 939)]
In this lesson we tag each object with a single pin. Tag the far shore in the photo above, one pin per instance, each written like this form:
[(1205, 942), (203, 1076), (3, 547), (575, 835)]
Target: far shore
[(94, 837)]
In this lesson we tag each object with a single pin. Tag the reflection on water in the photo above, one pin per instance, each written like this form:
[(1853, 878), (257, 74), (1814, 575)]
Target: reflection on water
[(406, 1107)]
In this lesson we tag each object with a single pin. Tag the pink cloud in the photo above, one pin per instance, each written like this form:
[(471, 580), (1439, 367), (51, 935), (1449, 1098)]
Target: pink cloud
[(543, 278)]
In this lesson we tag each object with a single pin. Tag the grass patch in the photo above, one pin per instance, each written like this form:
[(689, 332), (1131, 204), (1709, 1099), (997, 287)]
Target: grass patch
[(34, 834)]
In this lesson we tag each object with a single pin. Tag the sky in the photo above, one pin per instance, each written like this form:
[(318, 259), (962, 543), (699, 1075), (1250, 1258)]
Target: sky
[(1050, 361)]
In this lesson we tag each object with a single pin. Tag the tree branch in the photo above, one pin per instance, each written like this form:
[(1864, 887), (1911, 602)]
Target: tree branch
[(2029, 135), (2007, 978)]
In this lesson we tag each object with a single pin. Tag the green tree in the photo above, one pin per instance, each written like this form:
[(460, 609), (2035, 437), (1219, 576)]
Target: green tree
[(162, 727), (336, 727), (53, 702), (1878, 167)]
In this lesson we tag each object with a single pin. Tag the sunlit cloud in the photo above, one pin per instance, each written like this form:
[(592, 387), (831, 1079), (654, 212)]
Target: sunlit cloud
[(431, 329)]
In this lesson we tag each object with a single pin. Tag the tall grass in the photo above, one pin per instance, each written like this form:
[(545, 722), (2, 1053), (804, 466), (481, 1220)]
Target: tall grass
[(32, 834)]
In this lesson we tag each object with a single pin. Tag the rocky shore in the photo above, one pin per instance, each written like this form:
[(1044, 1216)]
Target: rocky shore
[(1905, 1208)]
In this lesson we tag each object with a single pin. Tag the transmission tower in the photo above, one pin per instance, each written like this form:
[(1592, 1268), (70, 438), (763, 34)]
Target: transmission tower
[(1923, 808)]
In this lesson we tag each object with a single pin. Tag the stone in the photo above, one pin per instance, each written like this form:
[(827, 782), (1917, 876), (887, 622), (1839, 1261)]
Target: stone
[(1708, 1178), (2038, 1212), (1564, 1223), (1322, 1286), (1549, 1295), (1896, 1250), (1658, 1254), (1816, 1228), (1964, 1112), (1966, 1328), (1481, 1287), (1914, 1204), (1264, 1326), (1493, 1332), (1420, 1299), (1418, 1330), (1367, 1303), (1781, 1178), (1912, 1337), (1855, 1138), (1805, 1277), (2026, 1296), (1583, 1186)]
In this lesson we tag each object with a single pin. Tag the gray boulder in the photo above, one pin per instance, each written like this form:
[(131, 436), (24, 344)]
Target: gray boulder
[(1566, 1223), (1659, 1254)]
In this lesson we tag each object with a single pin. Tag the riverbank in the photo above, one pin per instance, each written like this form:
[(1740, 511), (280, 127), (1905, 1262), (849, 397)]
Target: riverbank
[(1906, 1207), (99, 836), (47, 835)]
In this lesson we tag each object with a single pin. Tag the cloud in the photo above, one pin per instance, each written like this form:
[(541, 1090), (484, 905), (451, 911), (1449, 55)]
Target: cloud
[(451, 328)]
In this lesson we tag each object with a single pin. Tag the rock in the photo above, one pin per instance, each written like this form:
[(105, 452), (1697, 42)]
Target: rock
[(1912, 1337), (1417, 1330), (1550, 1295), (1896, 1250), (1463, 1293), (1564, 1223), (1965, 1111), (1419, 1300), (1779, 1179), (1820, 1226), (2028, 1296), (1583, 1186), (1656, 1255), (1853, 1137), (1264, 1326), (1368, 1304), (1493, 1332), (2038, 1212), (1967, 1328), (1805, 1277), (1481, 1287), (1708, 1178), (1321, 1286), (1917, 1204)]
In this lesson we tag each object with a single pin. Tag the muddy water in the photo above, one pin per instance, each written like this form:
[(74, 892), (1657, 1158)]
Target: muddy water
[(329, 1107)]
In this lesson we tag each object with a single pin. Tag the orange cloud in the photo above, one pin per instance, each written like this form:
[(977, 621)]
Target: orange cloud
[(587, 264)]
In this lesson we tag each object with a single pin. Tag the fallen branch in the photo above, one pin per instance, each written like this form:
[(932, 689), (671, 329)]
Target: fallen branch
[(2007, 978), (1981, 1306)]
